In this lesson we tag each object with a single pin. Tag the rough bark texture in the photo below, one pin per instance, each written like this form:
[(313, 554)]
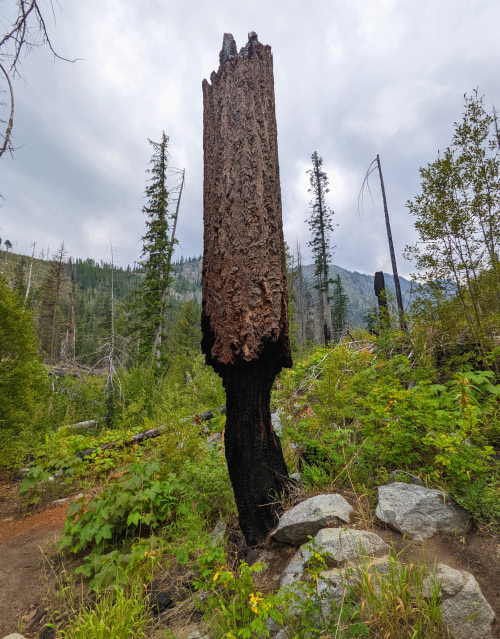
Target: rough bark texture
[(244, 318)]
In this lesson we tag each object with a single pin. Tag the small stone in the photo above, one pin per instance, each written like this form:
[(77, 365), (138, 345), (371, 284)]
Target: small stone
[(196, 634), (217, 534), (14, 635), (420, 512), (276, 423), (310, 516)]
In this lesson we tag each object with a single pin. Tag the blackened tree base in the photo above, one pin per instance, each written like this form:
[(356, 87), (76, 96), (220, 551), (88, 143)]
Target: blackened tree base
[(254, 456)]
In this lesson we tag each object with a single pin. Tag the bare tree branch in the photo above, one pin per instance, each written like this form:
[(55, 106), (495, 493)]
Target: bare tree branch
[(28, 30), (10, 122)]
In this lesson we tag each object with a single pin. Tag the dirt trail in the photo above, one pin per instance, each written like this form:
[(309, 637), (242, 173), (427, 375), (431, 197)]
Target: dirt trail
[(24, 541)]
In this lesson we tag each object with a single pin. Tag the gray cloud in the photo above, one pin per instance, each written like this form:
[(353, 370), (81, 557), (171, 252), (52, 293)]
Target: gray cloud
[(352, 79)]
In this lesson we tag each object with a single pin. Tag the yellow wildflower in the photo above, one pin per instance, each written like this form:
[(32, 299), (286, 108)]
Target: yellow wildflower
[(254, 601)]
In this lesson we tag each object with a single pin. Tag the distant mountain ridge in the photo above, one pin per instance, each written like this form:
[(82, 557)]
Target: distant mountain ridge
[(186, 283), (358, 287)]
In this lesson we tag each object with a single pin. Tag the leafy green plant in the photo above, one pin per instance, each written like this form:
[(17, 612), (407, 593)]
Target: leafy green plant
[(233, 607), (140, 499)]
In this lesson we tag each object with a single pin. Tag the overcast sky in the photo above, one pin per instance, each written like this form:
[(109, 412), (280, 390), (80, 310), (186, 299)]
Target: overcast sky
[(352, 79)]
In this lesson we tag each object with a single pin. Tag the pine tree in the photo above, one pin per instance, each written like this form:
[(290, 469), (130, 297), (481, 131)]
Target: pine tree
[(339, 309), (321, 225), (156, 253)]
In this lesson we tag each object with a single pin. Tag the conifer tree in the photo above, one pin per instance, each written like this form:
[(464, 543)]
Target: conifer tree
[(321, 225), (155, 252), (339, 309)]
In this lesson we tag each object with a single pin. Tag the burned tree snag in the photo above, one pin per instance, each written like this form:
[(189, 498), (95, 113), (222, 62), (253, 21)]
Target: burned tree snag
[(380, 292), (244, 315)]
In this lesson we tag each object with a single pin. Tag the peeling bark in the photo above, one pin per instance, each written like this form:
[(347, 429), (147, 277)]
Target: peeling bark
[(244, 316)]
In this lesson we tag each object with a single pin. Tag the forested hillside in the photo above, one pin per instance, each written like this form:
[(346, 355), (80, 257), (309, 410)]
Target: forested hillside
[(85, 299)]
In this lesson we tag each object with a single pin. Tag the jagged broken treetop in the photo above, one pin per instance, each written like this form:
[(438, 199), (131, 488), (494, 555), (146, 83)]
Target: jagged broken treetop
[(244, 281)]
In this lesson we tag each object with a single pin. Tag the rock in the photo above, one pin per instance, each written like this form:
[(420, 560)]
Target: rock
[(331, 586), (14, 635), (347, 544), (276, 423), (217, 534), (420, 512), (341, 544), (196, 634), (296, 477), (464, 608), (311, 515)]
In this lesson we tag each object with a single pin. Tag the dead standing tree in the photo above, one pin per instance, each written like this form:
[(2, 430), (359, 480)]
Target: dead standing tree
[(381, 294), (244, 316)]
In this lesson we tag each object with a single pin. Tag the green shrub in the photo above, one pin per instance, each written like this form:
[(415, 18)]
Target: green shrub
[(367, 416), (23, 379)]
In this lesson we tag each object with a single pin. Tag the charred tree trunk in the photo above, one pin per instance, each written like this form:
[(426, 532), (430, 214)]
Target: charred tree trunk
[(244, 316), (380, 292)]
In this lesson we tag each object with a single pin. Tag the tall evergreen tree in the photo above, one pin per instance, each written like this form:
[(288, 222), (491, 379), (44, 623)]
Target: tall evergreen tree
[(339, 309), (156, 250), (321, 225)]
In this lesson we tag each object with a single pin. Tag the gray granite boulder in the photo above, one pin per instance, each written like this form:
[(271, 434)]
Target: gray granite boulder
[(341, 545), (465, 610), (311, 515), (420, 512)]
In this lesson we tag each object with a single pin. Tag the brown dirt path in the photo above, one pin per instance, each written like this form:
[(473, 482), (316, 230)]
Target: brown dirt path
[(24, 542)]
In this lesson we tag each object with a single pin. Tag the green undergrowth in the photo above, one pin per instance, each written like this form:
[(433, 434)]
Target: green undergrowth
[(355, 416), (392, 603), (118, 613), (351, 417)]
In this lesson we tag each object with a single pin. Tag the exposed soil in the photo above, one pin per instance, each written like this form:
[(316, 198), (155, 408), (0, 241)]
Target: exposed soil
[(477, 553), (25, 542)]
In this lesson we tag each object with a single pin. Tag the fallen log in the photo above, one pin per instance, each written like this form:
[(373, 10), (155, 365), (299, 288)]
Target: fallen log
[(91, 423), (144, 435)]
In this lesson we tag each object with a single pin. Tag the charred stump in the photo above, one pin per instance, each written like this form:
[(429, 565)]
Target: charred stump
[(244, 313), (380, 292)]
